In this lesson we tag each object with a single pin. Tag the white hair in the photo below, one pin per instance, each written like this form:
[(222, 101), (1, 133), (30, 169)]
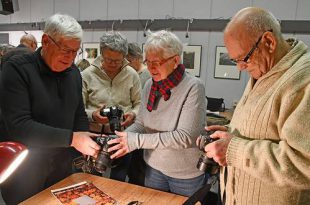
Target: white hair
[(114, 41), (164, 41), (61, 25)]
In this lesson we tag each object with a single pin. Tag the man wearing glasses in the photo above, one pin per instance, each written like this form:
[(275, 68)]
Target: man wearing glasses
[(42, 107), (264, 154), (110, 81)]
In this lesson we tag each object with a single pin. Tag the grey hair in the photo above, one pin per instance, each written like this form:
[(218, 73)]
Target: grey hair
[(134, 50), (61, 25), (114, 41), (262, 22), (164, 41), (256, 21), (28, 38)]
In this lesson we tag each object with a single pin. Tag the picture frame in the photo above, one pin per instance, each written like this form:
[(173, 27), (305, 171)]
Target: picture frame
[(224, 68), (191, 59), (91, 51)]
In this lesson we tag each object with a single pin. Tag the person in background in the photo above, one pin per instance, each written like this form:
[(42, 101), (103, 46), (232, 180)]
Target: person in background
[(265, 152), (137, 165), (171, 116), (110, 81), (135, 58), (42, 107), (29, 41), (28, 44), (4, 49), (82, 64)]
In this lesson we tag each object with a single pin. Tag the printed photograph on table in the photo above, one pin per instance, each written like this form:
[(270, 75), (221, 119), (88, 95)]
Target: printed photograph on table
[(91, 51), (192, 59), (84, 193), (224, 68)]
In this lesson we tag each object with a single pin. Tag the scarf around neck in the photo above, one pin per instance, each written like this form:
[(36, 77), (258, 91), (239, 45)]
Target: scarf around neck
[(162, 88)]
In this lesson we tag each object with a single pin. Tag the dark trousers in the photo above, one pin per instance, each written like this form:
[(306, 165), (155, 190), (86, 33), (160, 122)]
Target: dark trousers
[(119, 172), (37, 172), (136, 171)]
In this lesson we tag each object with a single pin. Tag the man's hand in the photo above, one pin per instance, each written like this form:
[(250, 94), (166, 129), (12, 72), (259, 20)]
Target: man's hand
[(82, 141), (98, 118), (212, 128), (217, 150), (129, 119), (120, 145)]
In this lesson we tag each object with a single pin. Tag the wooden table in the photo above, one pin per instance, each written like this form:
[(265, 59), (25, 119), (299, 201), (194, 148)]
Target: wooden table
[(121, 191)]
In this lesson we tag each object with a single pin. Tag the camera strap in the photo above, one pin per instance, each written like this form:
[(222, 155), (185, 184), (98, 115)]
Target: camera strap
[(204, 195)]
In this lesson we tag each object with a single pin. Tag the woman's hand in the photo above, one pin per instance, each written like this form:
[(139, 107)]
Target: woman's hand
[(120, 145), (99, 118)]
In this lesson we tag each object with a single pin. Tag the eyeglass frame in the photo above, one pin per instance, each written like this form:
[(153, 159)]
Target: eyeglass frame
[(110, 61), (160, 63), (250, 53), (66, 51)]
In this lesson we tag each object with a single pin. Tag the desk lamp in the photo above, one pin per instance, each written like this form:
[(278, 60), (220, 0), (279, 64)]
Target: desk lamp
[(11, 156)]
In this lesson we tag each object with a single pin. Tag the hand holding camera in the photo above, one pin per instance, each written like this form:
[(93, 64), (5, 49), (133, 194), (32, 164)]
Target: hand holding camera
[(103, 159), (217, 149), (97, 117)]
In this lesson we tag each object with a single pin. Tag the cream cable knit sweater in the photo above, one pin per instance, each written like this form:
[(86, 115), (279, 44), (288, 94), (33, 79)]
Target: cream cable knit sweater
[(269, 159)]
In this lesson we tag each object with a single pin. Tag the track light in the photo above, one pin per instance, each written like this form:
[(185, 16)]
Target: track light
[(187, 29)]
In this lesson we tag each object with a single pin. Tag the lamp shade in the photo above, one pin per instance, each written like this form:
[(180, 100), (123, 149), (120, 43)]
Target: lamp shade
[(11, 156)]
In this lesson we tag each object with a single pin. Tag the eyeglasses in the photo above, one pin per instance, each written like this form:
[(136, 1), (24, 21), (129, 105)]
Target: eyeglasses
[(250, 53), (110, 61), (65, 51), (158, 63)]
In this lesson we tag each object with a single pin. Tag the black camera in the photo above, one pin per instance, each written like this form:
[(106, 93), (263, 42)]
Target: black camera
[(103, 160), (114, 114), (204, 163)]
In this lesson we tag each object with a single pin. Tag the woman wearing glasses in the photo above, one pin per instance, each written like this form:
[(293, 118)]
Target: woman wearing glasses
[(171, 116), (110, 81)]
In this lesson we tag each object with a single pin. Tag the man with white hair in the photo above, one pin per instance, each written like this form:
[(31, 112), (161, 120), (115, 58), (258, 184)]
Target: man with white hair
[(42, 107), (29, 41), (264, 154)]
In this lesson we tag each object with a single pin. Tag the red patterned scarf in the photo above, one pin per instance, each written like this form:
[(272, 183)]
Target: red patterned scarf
[(162, 88)]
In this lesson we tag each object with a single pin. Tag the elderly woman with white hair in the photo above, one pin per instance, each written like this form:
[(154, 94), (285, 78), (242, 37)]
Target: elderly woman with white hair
[(171, 116)]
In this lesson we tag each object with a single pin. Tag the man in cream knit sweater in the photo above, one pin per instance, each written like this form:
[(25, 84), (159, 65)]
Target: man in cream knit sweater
[(265, 155)]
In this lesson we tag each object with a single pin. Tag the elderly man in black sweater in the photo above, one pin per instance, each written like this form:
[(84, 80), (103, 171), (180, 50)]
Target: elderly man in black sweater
[(42, 107)]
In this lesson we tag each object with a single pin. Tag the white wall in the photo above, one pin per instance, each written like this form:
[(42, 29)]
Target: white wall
[(230, 90)]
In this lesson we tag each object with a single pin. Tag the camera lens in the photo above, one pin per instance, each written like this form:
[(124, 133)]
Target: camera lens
[(102, 162), (202, 163)]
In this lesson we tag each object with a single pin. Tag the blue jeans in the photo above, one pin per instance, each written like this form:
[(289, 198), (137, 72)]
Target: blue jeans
[(186, 187)]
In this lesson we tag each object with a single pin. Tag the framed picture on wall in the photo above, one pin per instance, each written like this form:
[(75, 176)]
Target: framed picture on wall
[(91, 51), (192, 59), (224, 68)]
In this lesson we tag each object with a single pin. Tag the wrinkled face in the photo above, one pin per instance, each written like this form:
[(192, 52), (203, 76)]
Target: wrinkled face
[(59, 53), (250, 56), (159, 67), (112, 61)]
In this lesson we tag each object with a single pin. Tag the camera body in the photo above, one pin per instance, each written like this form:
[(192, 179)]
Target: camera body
[(204, 163), (103, 160), (114, 114)]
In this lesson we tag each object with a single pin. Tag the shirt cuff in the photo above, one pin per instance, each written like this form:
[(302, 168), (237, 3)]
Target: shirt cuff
[(235, 152)]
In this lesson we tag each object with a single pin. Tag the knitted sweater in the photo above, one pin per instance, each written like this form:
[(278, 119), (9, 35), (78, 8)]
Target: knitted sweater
[(98, 89), (168, 133), (269, 157)]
